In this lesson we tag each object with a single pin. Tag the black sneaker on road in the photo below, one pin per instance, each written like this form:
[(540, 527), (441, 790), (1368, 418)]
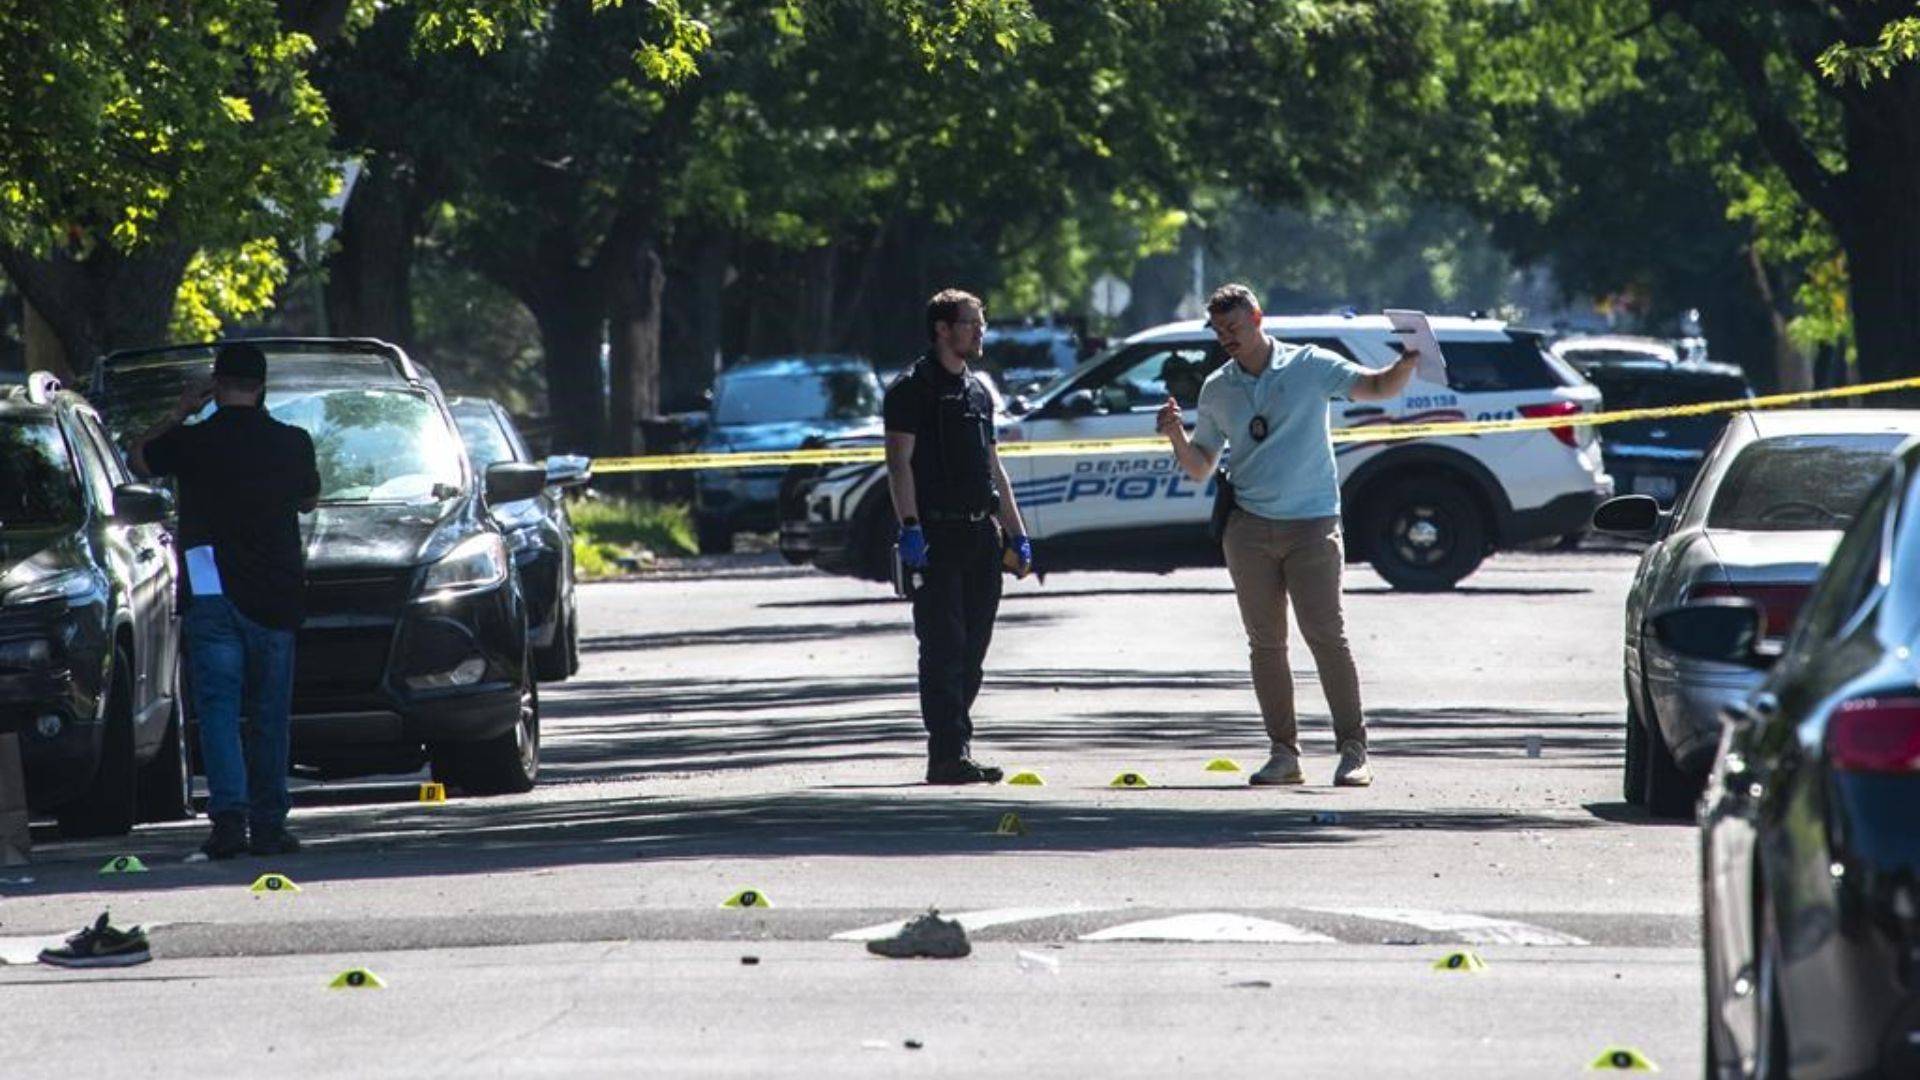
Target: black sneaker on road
[(926, 935), (962, 771), (100, 945)]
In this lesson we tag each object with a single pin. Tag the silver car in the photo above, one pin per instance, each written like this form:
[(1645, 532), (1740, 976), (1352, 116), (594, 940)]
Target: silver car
[(1759, 521)]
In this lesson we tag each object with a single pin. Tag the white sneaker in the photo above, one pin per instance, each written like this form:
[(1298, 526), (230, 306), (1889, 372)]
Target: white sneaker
[(1281, 768), (1353, 770)]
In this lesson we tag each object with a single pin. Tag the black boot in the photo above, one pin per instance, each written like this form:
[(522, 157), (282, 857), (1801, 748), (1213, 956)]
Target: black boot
[(229, 836)]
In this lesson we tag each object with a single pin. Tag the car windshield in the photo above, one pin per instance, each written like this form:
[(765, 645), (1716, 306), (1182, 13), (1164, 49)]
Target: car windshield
[(486, 443), (1801, 482), (846, 394), (37, 484), (376, 445)]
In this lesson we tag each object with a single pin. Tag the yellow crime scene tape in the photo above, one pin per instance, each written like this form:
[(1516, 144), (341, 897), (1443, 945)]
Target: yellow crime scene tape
[(1385, 432)]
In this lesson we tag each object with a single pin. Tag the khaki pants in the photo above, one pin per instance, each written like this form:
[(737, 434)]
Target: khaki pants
[(1272, 562)]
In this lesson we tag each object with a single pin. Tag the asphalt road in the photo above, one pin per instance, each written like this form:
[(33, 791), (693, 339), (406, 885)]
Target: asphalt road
[(740, 726)]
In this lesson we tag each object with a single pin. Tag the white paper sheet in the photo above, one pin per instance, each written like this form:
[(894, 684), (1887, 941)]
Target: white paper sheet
[(203, 574), (1413, 331)]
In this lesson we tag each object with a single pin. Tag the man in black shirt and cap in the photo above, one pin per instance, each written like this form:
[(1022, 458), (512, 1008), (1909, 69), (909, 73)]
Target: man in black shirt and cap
[(243, 478), (948, 487)]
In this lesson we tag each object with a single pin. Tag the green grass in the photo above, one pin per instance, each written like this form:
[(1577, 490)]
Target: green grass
[(610, 527)]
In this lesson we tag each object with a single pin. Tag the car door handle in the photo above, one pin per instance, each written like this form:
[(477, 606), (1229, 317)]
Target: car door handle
[(1364, 411)]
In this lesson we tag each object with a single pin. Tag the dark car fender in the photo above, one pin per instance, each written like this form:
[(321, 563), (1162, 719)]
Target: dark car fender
[(1397, 462)]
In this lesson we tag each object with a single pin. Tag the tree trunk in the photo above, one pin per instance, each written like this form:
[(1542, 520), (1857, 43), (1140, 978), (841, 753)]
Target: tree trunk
[(1743, 325), (107, 301), (1883, 256), (635, 280), (818, 270), (692, 320), (571, 312), (43, 349), (369, 286)]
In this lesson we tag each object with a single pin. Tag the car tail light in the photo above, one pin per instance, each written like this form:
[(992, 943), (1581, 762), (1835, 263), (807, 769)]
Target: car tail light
[(1555, 408), (1875, 735), (1780, 603)]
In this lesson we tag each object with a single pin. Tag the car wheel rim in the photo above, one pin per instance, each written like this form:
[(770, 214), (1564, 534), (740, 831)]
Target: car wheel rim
[(526, 733), (1419, 536)]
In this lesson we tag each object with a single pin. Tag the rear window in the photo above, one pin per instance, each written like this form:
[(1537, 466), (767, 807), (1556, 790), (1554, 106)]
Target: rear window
[(1799, 482), (1640, 391), (1494, 366)]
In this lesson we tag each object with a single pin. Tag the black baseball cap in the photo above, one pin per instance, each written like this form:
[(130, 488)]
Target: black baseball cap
[(239, 360)]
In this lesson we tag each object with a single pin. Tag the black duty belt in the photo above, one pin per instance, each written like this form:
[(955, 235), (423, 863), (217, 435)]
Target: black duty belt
[(945, 517)]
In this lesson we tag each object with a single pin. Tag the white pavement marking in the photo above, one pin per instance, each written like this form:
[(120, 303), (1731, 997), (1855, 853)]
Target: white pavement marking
[(969, 920), (26, 950), (1210, 926), (1472, 929)]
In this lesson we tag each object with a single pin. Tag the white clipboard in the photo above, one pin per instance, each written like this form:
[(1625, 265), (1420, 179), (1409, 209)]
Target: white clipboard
[(1413, 331)]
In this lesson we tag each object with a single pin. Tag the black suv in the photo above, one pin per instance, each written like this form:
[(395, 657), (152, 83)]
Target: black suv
[(89, 648), (415, 643)]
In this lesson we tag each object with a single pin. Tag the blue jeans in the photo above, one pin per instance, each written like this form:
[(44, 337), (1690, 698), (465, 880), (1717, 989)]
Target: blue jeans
[(240, 667)]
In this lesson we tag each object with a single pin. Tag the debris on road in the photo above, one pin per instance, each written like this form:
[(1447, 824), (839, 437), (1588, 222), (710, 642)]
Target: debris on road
[(1032, 962)]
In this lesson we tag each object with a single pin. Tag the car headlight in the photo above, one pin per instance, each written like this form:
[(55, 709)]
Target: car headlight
[(476, 563), (69, 585)]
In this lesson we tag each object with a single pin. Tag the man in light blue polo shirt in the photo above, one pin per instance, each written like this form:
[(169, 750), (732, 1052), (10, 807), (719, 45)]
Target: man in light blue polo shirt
[(1283, 540)]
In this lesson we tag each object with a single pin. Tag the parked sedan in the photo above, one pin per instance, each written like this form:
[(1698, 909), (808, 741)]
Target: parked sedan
[(1810, 856), (1659, 457), (538, 530), (1758, 523)]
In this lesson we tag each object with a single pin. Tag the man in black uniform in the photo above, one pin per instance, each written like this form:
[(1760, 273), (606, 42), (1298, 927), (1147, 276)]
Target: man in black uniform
[(948, 488), (244, 478)]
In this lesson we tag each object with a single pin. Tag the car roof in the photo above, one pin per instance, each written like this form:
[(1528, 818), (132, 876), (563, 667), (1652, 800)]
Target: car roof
[(1284, 325), (773, 366), (1771, 423)]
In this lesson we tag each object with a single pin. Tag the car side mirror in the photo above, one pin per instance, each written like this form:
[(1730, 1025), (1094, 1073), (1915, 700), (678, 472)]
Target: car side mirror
[(511, 481), (568, 470), (1729, 630), (1076, 405), (1629, 515), (1019, 406), (141, 504)]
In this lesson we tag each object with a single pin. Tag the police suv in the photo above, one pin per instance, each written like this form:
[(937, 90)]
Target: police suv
[(1424, 512)]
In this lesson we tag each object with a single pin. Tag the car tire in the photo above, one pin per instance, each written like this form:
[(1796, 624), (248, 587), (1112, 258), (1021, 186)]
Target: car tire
[(508, 763), (165, 784), (561, 658), (1425, 534), (1633, 779), (107, 808), (1670, 791), (715, 537)]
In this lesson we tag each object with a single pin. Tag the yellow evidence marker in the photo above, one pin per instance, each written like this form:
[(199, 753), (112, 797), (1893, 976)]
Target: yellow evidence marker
[(1223, 764), (357, 979), (1010, 825), (1130, 779), (433, 792), (124, 864), (1622, 1059), (1027, 779), (1466, 961), (275, 883), (747, 898)]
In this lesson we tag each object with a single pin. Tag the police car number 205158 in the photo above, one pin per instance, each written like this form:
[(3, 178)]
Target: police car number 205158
[(1424, 512)]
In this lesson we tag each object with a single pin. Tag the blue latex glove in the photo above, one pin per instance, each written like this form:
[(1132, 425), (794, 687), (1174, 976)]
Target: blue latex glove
[(1018, 556), (913, 547)]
